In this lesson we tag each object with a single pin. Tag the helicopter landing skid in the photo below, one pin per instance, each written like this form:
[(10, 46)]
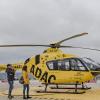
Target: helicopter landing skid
[(70, 91), (86, 88), (75, 92), (66, 92)]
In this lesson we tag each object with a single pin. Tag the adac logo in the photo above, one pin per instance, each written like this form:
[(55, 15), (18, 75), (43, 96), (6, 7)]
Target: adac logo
[(43, 76)]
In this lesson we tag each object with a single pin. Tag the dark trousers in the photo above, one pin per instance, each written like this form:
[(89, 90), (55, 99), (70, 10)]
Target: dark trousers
[(10, 87), (26, 89)]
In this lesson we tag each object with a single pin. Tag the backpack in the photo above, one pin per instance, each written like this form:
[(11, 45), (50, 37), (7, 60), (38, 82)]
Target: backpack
[(21, 80)]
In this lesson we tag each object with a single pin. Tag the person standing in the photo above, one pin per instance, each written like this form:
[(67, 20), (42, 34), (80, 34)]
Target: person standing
[(10, 77), (26, 82)]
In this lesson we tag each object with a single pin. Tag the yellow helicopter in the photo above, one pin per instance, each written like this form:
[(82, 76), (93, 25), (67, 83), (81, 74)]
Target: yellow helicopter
[(54, 66)]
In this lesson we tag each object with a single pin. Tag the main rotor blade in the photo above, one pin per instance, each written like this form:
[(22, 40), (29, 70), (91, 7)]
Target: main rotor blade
[(77, 35), (80, 48), (23, 45)]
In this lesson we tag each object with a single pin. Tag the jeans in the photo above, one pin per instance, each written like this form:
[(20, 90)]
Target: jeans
[(26, 87), (10, 87)]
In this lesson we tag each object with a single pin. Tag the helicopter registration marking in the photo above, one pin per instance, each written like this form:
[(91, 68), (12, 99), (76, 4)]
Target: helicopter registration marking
[(43, 76)]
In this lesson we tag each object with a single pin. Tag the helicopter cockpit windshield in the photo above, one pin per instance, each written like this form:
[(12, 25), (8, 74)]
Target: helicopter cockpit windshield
[(74, 64), (91, 64)]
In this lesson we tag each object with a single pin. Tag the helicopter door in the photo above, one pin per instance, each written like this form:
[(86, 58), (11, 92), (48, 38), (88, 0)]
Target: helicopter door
[(61, 70), (79, 69)]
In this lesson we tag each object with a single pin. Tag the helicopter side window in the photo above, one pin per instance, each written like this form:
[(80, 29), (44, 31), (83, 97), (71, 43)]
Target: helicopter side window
[(80, 65), (59, 65), (77, 65), (63, 64), (55, 67), (67, 64), (73, 64), (50, 65)]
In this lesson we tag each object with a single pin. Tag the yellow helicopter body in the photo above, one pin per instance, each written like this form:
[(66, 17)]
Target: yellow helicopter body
[(38, 66)]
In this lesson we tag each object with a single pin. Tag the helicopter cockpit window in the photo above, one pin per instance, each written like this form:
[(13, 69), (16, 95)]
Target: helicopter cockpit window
[(76, 64)]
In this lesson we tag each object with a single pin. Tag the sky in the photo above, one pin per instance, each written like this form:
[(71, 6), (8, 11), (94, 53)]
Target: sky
[(45, 22)]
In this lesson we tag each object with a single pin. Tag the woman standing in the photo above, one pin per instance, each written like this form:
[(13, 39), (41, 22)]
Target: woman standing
[(26, 82)]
